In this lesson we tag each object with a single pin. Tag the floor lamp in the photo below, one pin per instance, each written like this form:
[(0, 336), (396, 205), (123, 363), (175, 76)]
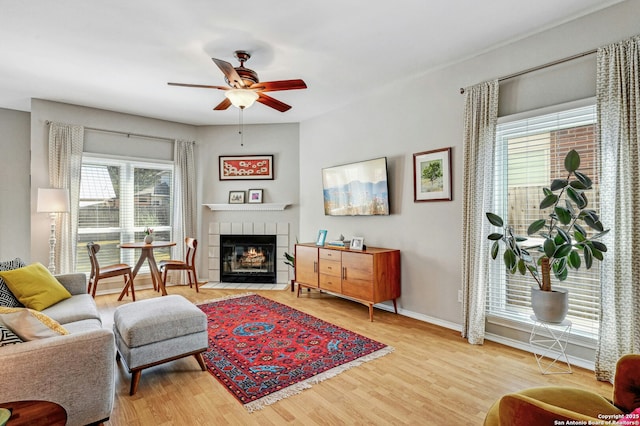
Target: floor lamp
[(53, 201)]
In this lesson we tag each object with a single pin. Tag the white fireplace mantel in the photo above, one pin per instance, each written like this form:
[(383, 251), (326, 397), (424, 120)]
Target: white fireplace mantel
[(248, 207)]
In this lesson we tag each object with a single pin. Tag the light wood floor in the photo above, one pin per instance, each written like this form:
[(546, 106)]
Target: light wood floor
[(434, 377)]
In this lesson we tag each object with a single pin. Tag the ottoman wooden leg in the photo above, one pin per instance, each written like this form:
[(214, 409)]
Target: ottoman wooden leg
[(200, 360), (135, 379)]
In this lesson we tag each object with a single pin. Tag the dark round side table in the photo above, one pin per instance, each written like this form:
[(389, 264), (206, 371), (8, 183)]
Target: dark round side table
[(35, 413)]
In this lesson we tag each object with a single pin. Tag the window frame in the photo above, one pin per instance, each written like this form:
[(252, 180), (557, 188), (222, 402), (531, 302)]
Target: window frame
[(523, 322), (127, 230)]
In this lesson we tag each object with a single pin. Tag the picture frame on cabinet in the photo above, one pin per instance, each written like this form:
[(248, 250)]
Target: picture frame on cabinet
[(255, 196), (357, 243), (322, 236), (236, 197)]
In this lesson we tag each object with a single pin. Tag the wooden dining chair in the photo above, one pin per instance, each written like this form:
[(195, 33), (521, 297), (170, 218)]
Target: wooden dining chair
[(98, 273), (188, 265)]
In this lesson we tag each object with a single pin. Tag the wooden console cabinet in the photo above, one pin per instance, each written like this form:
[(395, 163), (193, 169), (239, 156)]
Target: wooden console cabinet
[(370, 276)]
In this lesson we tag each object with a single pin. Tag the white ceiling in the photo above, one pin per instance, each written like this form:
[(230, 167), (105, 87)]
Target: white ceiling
[(119, 54)]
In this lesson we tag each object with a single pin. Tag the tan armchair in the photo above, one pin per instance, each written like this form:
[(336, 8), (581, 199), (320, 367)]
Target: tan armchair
[(551, 404)]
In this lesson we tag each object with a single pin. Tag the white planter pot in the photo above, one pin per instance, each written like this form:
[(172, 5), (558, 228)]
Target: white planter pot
[(550, 306), (148, 239)]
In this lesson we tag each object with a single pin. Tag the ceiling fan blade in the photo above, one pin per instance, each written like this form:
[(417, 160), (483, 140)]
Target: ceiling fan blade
[(230, 72), (223, 105), (272, 86), (273, 103), (201, 86)]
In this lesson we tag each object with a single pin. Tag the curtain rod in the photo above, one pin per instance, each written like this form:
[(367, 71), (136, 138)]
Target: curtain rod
[(129, 134), (539, 67)]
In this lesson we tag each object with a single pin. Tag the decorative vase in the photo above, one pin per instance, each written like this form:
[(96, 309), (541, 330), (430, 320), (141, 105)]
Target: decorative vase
[(148, 239), (550, 306)]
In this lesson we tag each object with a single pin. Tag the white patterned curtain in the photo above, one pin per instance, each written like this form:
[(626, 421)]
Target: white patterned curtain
[(618, 103), (480, 119), (184, 190), (65, 164)]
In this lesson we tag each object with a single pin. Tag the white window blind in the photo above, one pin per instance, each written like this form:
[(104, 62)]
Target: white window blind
[(119, 198), (530, 153)]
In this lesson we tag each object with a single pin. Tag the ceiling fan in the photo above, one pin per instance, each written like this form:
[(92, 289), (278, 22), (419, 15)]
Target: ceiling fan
[(244, 86)]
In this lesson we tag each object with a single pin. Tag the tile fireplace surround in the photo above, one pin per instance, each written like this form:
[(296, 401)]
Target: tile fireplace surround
[(279, 229)]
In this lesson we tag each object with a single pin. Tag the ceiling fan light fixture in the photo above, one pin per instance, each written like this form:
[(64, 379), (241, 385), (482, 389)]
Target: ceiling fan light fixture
[(241, 98)]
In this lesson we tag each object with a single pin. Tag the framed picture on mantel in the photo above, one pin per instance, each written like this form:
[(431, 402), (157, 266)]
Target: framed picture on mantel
[(246, 167)]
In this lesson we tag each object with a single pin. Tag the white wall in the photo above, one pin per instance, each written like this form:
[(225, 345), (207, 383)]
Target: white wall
[(14, 185), (279, 140), (43, 111), (426, 112)]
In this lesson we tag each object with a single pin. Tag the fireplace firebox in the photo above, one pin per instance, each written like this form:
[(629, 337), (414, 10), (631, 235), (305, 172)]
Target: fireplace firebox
[(248, 259)]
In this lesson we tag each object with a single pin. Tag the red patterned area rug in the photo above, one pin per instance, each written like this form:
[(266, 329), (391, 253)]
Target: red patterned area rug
[(263, 351)]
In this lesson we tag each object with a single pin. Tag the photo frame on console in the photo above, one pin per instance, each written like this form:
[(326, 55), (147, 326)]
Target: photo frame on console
[(357, 243), (322, 237)]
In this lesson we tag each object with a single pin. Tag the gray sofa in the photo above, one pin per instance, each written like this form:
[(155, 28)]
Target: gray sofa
[(75, 371)]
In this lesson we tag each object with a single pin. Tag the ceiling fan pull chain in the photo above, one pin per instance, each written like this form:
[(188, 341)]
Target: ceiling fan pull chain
[(241, 127)]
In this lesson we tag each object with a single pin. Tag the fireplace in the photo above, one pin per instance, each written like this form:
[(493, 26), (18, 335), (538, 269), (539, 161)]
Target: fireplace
[(248, 259)]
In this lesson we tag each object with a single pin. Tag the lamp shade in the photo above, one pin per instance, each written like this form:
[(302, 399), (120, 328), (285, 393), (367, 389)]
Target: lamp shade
[(241, 98), (53, 200)]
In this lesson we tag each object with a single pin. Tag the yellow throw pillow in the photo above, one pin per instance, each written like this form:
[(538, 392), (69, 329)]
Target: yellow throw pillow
[(28, 324), (34, 286)]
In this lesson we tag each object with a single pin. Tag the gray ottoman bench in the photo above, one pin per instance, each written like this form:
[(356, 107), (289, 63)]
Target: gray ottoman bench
[(154, 331)]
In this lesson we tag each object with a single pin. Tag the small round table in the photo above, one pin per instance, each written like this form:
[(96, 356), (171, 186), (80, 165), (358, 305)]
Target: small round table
[(147, 254), (35, 413)]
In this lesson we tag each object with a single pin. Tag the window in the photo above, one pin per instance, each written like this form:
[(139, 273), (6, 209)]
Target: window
[(529, 154), (118, 199)]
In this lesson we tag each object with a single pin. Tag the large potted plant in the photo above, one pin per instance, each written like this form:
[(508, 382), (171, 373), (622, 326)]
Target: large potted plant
[(565, 241)]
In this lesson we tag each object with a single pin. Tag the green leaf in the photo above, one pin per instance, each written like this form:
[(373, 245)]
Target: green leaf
[(578, 236), (588, 257), (520, 239), (564, 216), (495, 219), (548, 201), (558, 184), (563, 251), (599, 246), (580, 229), (593, 224), (559, 239), (546, 192), (578, 185), (495, 236), (522, 267), (510, 260), (533, 270), (536, 226), (565, 237), (549, 247), (562, 275), (583, 179), (574, 260), (577, 197), (597, 254), (494, 249), (572, 161)]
